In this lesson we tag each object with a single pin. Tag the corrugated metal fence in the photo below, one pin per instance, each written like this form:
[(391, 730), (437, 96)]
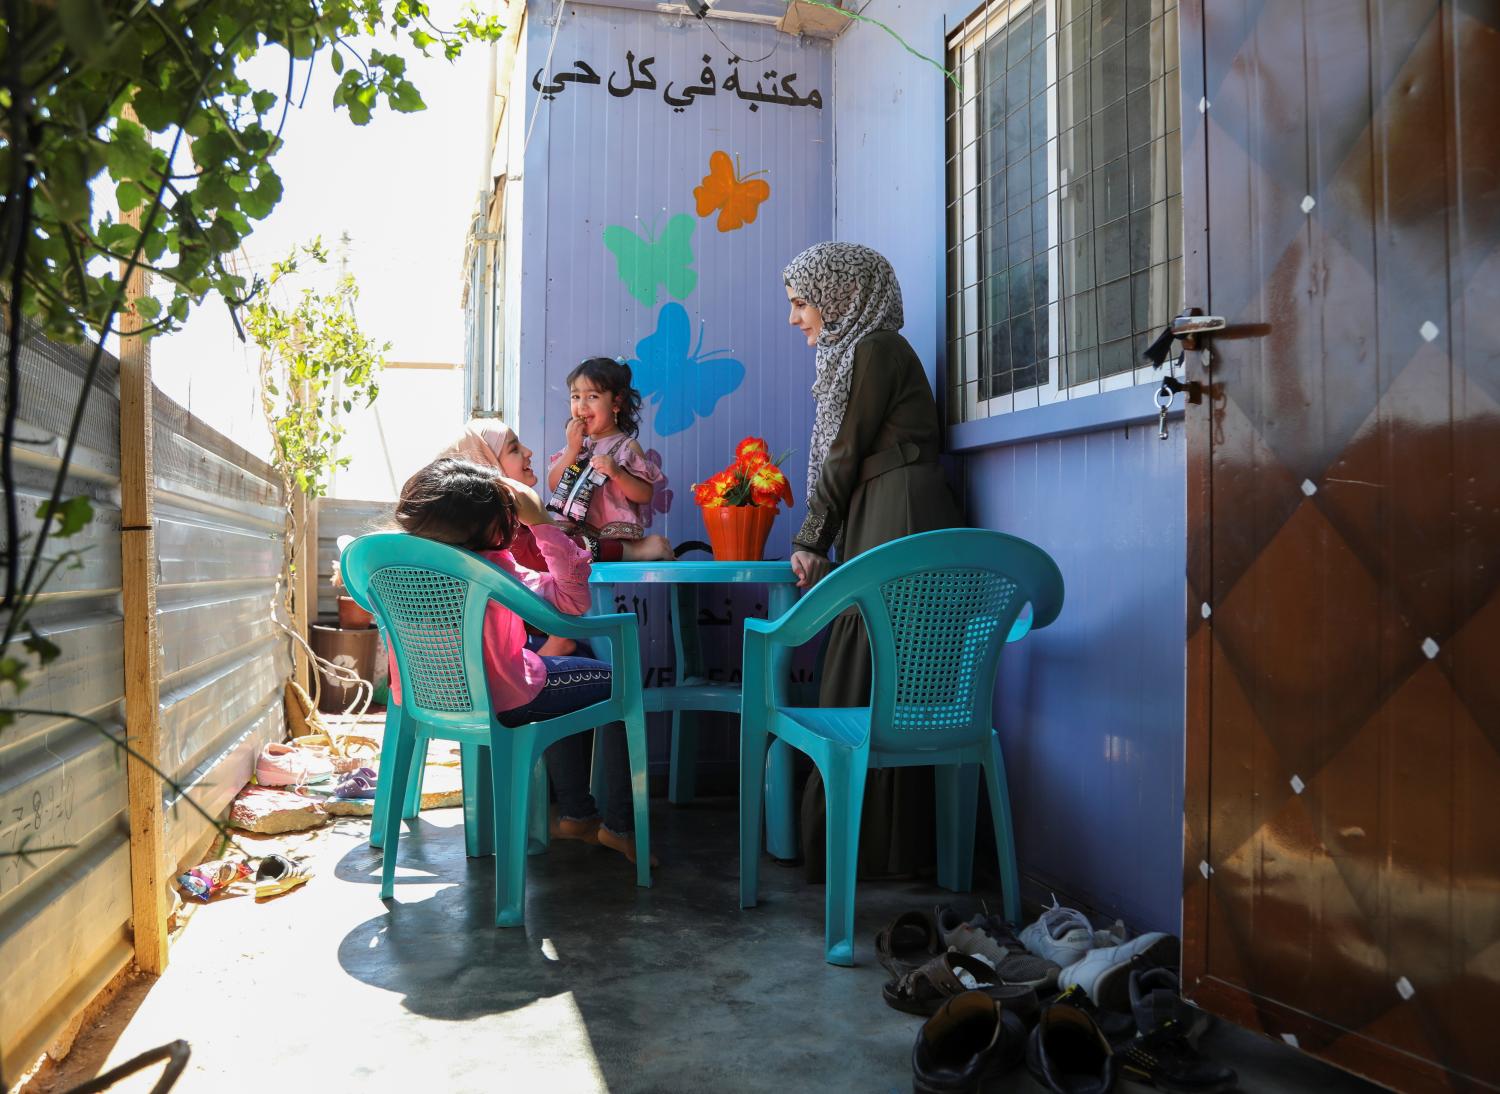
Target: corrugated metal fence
[(340, 517), (223, 660), (65, 902)]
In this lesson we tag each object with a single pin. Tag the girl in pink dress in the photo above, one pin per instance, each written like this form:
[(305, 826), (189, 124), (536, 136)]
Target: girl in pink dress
[(601, 435)]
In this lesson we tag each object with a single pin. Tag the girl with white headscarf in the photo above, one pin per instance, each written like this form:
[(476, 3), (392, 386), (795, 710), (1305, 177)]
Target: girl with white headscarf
[(489, 442), (872, 476)]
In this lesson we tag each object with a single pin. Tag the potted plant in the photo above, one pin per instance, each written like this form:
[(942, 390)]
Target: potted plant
[(740, 503)]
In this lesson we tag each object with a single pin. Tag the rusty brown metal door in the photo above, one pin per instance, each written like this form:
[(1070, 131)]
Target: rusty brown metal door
[(1342, 212)]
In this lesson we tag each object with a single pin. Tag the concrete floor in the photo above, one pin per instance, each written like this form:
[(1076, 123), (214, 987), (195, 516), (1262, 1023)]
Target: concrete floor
[(608, 987)]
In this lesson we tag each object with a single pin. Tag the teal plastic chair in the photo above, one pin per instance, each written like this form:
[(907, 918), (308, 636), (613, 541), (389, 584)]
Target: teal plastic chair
[(938, 608), (478, 798), (430, 600)]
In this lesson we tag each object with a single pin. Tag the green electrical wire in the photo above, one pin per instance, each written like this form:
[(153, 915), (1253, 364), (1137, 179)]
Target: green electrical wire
[(832, 6)]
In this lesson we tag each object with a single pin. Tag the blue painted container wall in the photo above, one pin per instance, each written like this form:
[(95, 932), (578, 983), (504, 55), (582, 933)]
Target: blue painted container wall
[(1091, 710), (597, 160)]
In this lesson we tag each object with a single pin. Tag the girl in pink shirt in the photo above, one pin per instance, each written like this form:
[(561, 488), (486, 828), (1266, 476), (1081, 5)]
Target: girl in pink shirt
[(489, 442), (466, 505), (603, 421)]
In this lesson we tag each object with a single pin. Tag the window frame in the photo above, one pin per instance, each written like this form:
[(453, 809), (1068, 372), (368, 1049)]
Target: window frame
[(964, 232), (972, 34)]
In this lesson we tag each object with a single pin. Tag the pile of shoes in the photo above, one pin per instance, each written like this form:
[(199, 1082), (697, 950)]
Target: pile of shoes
[(1080, 1005), (933, 958), (240, 875)]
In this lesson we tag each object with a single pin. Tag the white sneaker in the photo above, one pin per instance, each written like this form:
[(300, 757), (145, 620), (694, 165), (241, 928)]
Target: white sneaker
[(1059, 934), (1114, 936), (1104, 974)]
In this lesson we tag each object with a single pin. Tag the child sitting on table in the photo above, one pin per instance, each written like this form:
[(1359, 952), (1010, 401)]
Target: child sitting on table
[(460, 503), (602, 424)]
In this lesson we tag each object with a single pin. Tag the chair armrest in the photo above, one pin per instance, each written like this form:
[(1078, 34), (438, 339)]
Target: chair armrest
[(804, 619), (1022, 626), (589, 626), (760, 689)]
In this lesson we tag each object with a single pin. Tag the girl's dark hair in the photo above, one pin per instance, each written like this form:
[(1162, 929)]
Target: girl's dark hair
[(607, 374), (460, 503)]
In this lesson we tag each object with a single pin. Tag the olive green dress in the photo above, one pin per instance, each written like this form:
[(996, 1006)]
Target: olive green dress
[(880, 481)]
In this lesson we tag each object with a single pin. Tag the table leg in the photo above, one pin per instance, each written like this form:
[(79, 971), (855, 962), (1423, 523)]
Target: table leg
[(682, 778), (682, 781), (781, 826), (602, 603)]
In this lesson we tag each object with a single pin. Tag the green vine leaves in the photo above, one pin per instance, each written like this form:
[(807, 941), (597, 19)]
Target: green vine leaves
[(71, 76), (315, 363)]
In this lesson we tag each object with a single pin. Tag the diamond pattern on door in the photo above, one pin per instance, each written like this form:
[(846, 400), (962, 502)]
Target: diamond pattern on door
[(1344, 696)]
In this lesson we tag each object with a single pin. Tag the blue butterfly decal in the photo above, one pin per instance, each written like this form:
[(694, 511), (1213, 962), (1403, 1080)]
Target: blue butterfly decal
[(676, 377)]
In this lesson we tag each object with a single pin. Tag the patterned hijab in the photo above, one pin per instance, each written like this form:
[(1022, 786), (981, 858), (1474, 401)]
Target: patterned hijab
[(481, 442), (857, 292)]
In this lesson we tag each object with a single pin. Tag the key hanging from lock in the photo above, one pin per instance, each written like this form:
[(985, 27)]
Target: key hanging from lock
[(1186, 329), (1170, 386)]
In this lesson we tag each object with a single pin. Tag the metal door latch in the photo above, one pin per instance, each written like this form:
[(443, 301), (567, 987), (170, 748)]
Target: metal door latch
[(1187, 328)]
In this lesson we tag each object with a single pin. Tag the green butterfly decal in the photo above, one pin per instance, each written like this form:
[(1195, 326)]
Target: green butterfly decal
[(666, 260)]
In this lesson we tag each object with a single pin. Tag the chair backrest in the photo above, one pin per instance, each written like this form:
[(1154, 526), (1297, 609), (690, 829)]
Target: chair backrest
[(939, 607), (430, 600)]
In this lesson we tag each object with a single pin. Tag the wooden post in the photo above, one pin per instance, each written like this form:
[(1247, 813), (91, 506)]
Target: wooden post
[(302, 669), (148, 868), (307, 574), (304, 582)]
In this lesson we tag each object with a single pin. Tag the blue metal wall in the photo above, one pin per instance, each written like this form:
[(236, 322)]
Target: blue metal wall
[(596, 160), (1091, 709)]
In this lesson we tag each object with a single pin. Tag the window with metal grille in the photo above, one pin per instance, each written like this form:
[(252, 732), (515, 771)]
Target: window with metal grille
[(1064, 199)]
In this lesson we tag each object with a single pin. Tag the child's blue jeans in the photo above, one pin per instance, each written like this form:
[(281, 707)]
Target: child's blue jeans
[(574, 683)]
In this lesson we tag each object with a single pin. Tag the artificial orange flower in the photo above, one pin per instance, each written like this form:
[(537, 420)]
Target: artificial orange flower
[(765, 498), (768, 484), (751, 444), (752, 460), (752, 479)]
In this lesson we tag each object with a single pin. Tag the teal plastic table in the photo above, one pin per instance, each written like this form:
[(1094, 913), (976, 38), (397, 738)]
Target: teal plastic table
[(692, 690)]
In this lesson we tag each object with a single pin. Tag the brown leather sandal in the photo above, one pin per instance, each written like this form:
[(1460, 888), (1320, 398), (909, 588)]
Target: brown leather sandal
[(923, 990)]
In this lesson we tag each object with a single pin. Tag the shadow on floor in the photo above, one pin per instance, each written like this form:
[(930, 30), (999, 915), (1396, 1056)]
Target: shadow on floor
[(676, 988), (608, 987)]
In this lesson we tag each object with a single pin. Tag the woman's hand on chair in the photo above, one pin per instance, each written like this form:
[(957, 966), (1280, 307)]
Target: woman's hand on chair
[(810, 568), (529, 508)]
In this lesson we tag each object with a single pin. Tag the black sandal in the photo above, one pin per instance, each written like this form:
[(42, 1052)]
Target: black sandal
[(908, 943)]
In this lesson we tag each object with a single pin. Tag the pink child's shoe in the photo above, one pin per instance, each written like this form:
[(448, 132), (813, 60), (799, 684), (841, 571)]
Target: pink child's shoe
[(283, 765)]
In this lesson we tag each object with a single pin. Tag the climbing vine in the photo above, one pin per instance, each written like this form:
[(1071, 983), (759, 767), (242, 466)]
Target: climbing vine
[(315, 362), (151, 104)]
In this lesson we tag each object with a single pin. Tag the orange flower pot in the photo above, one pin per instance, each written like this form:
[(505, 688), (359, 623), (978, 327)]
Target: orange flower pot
[(738, 533)]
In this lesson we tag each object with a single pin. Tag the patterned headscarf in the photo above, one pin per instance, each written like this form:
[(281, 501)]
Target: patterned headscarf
[(481, 442), (857, 292)]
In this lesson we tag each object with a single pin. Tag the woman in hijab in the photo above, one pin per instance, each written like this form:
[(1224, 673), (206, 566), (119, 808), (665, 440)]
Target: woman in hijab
[(872, 476)]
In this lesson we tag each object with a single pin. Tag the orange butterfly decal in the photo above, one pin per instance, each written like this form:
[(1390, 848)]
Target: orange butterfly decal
[(736, 197)]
